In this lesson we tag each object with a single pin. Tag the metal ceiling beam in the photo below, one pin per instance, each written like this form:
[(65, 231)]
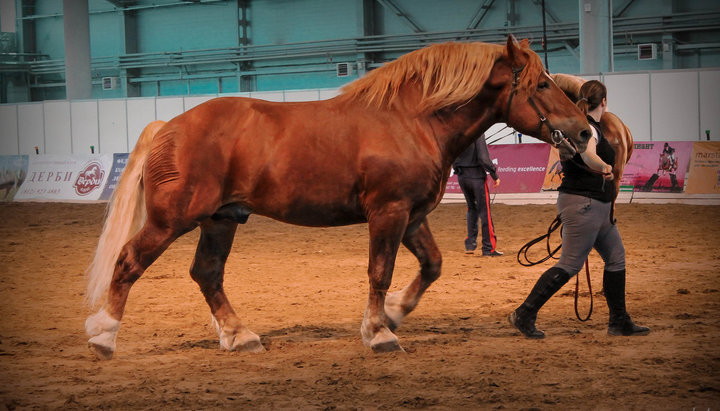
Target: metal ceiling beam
[(388, 4), (122, 3), (569, 47), (480, 14), (622, 9)]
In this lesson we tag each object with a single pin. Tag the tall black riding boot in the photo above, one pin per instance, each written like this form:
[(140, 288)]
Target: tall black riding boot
[(620, 322), (650, 183), (674, 186), (523, 318)]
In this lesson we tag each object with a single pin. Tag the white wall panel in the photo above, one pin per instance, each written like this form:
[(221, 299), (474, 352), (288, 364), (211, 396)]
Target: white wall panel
[(168, 108), (140, 112), (31, 128), (57, 127), (84, 117), (329, 93), (9, 130), (671, 105), (268, 95), (710, 104), (192, 101), (629, 99), (112, 116), (674, 106), (302, 95)]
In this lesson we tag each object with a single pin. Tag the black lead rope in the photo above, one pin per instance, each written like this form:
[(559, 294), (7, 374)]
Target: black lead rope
[(556, 223), (577, 287)]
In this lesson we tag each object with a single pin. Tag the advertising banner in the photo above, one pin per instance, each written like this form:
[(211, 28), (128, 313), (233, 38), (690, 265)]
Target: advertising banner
[(13, 170), (65, 178), (119, 163), (704, 175), (520, 167), (658, 166)]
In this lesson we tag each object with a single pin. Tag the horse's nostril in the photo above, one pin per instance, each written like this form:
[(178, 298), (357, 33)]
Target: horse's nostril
[(585, 135)]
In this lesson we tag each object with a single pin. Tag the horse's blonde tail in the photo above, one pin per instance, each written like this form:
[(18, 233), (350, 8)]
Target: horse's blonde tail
[(125, 216)]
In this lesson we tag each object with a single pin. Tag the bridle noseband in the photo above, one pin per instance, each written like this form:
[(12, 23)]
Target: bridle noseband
[(556, 135)]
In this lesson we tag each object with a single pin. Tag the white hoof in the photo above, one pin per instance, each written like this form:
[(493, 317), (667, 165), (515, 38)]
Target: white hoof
[(385, 341), (103, 345), (244, 341), (103, 329), (382, 341)]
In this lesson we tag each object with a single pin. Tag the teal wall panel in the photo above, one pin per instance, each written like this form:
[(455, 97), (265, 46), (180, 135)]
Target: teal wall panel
[(292, 21), (202, 26), (178, 47)]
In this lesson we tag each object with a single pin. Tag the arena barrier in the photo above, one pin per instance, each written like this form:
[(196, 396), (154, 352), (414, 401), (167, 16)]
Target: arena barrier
[(658, 172)]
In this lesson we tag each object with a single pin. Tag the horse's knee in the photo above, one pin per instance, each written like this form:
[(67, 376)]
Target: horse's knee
[(431, 269)]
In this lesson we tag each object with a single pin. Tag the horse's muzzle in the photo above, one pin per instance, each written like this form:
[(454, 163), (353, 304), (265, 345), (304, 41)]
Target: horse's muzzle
[(565, 147)]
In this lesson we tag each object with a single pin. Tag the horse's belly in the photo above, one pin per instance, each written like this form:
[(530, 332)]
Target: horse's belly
[(313, 215)]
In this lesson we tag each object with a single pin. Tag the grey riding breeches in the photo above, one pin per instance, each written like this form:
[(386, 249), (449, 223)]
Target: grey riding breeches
[(586, 225)]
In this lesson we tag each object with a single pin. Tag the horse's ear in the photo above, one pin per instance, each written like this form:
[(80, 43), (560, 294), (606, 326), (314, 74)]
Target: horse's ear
[(517, 57), (525, 43)]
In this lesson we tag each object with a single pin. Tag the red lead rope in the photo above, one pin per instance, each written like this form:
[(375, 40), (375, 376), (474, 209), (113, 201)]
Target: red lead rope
[(577, 293)]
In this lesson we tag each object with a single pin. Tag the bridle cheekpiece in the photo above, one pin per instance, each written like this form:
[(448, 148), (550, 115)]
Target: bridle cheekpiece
[(556, 135)]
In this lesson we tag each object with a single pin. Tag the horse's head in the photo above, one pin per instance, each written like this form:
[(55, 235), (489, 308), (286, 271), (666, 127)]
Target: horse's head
[(535, 105)]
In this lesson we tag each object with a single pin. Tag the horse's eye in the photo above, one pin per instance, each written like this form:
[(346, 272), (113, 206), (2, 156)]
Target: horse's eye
[(543, 85)]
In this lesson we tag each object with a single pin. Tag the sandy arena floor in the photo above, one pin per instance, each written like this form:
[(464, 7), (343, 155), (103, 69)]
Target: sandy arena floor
[(304, 290)]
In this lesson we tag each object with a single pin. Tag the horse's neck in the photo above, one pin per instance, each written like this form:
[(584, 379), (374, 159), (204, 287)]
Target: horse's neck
[(456, 128)]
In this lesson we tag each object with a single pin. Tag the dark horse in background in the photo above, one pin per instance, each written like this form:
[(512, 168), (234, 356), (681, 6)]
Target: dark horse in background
[(379, 153)]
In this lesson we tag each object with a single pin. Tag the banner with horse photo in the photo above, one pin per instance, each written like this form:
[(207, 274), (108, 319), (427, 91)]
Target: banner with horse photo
[(553, 174), (704, 172), (13, 170), (658, 166)]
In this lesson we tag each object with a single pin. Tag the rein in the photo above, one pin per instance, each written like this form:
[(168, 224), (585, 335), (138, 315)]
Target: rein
[(556, 223)]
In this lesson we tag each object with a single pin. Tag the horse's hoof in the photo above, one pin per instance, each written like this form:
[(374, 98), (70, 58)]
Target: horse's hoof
[(385, 341), (246, 341), (386, 346), (102, 352), (250, 346)]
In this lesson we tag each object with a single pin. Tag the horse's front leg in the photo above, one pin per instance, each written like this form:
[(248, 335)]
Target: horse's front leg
[(422, 244), (386, 230)]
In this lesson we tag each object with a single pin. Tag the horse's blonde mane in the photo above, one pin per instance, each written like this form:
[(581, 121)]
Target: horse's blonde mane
[(569, 84), (447, 74)]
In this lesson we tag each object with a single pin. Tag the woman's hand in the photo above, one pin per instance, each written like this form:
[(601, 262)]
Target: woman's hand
[(608, 172)]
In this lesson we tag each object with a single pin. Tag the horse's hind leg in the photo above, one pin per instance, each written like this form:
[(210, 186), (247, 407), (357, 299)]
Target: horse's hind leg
[(136, 256), (421, 243), (207, 270)]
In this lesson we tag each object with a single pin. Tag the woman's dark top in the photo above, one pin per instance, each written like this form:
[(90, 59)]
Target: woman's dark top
[(578, 180)]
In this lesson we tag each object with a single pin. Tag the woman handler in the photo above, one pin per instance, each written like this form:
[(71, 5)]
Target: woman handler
[(584, 203)]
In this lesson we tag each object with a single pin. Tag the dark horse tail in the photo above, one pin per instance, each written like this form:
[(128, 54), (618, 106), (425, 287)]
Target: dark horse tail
[(125, 216)]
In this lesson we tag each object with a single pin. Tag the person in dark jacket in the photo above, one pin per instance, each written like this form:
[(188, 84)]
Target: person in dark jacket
[(472, 167), (584, 204)]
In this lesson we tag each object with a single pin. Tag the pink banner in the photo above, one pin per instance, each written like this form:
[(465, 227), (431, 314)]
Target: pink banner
[(658, 166), (521, 168)]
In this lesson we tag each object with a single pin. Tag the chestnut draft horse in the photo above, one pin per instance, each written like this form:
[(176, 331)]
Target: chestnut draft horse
[(616, 132), (380, 152)]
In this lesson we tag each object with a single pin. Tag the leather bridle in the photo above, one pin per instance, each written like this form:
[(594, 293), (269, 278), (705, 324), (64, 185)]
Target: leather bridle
[(556, 135)]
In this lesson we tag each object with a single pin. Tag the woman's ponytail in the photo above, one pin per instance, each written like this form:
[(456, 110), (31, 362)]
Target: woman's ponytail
[(591, 95)]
